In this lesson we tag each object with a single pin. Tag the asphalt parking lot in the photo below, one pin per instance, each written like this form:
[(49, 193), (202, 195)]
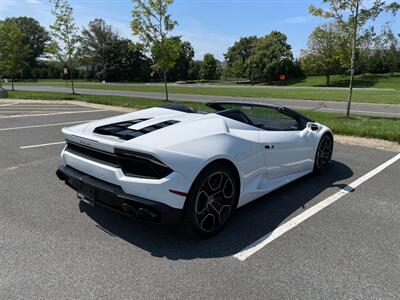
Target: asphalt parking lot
[(52, 246)]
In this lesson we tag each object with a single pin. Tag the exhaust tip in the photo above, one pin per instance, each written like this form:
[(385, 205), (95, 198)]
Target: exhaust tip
[(147, 214), (140, 213), (60, 174), (128, 209)]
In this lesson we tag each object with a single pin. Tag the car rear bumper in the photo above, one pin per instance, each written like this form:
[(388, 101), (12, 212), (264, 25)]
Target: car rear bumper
[(98, 192)]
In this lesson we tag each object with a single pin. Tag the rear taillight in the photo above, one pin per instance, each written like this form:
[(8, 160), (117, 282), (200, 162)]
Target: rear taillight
[(136, 164)]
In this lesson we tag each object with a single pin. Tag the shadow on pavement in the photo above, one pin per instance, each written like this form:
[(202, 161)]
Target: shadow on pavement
[(247, 225)]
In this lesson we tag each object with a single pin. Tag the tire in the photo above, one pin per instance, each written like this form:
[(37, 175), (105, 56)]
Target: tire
[(324, 154), (211, 200)]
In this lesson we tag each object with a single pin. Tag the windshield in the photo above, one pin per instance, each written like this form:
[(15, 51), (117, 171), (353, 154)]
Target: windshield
[(266, 117)]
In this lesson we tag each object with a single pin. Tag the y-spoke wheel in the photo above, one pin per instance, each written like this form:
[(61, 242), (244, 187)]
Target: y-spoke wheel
[(212, 199), (324, 154)]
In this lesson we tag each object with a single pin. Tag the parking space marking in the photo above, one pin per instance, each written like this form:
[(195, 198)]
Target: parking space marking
[(7, 104), (41, 145), (45, 106), (49, 105), (34, 108), (44, 125), (276, 233), (53, 114)]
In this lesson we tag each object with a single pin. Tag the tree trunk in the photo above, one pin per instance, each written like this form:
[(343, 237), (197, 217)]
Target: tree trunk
[(72, 83), (353, 53), (327, 80), (166, 86), (12, 84)]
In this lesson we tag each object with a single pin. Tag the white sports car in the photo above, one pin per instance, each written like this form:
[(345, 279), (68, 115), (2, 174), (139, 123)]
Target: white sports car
[(174, 164)]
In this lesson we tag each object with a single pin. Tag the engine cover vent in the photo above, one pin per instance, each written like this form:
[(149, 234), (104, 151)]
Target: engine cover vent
[(123, 132)]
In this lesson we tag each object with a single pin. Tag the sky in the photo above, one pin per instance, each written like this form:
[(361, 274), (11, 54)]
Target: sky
[(211, 26)]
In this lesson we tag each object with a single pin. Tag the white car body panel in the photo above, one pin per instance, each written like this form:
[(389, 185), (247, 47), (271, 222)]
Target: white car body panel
[(292, 152), (189, 146)]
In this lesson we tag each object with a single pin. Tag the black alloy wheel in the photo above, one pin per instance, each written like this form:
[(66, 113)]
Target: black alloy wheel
[(324, 154), (211, 200)]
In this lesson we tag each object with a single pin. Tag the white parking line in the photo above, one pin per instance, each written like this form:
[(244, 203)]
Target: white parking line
[(44, 125), (7, 104), (45, 105), (34, 108), (41, 145), (53, 114), (271, 236)]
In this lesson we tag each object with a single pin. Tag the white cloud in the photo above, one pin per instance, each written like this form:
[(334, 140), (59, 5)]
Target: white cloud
[(298, 19)]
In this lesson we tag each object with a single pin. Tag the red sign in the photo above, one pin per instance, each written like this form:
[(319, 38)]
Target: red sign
[(65, 71), (282, 77)]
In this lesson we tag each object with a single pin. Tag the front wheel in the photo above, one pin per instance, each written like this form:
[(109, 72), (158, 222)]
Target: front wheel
[(211, 200), (324, 154)]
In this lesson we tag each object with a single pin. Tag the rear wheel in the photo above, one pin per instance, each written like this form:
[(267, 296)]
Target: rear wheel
[(211, 200), (324, 154)]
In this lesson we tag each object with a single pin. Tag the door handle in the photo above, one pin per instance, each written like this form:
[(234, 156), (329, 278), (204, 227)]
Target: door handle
[(269, 146)]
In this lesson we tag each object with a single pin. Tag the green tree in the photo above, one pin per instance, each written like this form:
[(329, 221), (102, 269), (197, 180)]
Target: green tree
[(208, 69), (271, 57), (237, 56), (152, 23), (322, 56), (65, 35), (194, 70), (125, 61), (364, 53), (95, 41), (181, 68), (36, 36), (237, 69), (391, 47), (13, 50), (352, 16)]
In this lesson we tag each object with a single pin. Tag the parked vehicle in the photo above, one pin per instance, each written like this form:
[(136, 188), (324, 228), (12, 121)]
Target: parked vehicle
[(174, 164)]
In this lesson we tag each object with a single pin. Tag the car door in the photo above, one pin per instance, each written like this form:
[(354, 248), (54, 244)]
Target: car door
[(288, 145), (287, 152)]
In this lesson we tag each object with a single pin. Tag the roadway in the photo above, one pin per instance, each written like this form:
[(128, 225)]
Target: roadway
[(386, 110)]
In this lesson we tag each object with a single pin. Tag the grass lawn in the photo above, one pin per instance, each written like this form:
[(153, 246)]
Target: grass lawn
[(382, 81), (364, 126), (359, 95), (296, 90)]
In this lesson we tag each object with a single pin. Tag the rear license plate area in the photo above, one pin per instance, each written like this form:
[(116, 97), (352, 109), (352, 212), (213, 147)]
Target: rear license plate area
[(86, 194)]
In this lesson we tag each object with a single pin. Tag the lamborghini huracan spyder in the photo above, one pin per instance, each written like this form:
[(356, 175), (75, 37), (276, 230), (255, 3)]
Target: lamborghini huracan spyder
[(174, 164)]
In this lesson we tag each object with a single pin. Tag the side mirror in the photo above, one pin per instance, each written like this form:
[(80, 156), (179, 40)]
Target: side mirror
[(313, 127)]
